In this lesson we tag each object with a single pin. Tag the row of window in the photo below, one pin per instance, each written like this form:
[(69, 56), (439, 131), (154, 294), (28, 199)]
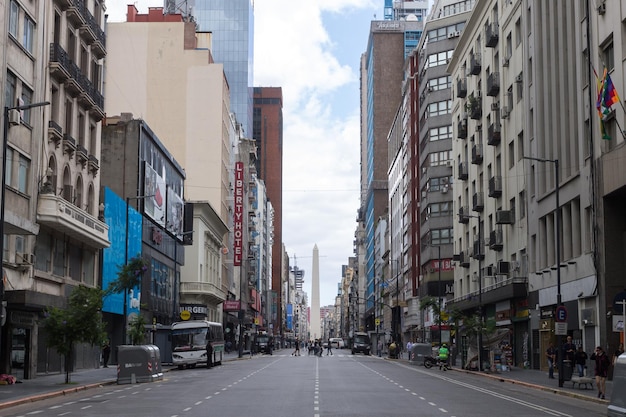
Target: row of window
[(24, 33)]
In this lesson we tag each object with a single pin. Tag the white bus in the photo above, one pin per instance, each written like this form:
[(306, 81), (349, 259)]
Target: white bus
[(190, 340)]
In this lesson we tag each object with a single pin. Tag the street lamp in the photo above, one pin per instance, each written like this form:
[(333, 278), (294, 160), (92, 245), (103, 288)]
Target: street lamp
[(557, 238), (5, 141), (480, 291), (139, 197)]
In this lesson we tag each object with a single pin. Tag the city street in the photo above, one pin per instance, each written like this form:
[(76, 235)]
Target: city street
[(338, 385)]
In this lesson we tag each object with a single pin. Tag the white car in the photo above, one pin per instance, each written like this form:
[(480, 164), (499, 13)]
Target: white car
[(337, 342)]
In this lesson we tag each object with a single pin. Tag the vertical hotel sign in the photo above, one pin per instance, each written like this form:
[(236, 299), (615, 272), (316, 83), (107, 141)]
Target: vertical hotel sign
[(238, 219)]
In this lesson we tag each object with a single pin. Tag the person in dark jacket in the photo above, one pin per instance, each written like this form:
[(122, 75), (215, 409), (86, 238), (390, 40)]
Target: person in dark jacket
[(602, 369), (580, 359)]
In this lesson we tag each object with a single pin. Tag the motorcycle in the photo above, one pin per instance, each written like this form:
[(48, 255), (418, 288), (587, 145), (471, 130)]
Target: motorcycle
[(430, 361)]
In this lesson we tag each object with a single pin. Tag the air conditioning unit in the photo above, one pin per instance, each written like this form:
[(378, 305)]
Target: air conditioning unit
[(451, 35), (505, 62), (449, 162), (518, 79), (495, 106), (602, 8), (504, 217), (503, 268), (457, 33), (14, 117), (444, 189), (505, 112)]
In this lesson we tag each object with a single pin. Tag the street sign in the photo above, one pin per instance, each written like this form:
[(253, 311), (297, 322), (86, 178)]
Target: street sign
[(561, 314), (560, 329), (377, 322)]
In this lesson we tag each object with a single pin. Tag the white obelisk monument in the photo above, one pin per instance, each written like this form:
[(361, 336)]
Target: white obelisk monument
[(316, 330)]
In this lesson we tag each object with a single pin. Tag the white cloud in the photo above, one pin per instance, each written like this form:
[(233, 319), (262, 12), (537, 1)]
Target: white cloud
[(295, 50)]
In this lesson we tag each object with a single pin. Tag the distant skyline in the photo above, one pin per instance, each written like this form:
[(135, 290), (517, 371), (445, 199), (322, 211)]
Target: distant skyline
[(312, 50)]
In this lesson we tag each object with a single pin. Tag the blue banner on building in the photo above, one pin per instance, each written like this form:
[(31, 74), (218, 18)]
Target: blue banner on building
[(290, 317)]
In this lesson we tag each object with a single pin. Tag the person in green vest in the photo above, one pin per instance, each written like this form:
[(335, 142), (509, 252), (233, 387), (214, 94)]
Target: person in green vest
[(443, 355)]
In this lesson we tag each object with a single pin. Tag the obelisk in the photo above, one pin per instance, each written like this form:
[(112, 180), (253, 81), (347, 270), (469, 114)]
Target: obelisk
[(316, 331)]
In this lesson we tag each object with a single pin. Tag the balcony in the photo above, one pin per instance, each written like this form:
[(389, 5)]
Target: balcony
[(461, 88), (81, 155), (478, 201), (493, 84), (464, 215), (491, 35), (56, 213), (55, 133), (494, 133), (463, 171), (505, 289), (63, 4), (496, 240), (475, 64), (59, 63), (477, 154), (479, 252), (475, 107), (75, 12), (462, 129), (206, 291), (495, 186), (94, 165), (69, 144), (464, 259)]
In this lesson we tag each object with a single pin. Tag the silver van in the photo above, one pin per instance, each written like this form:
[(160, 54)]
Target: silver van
[(617, 406)]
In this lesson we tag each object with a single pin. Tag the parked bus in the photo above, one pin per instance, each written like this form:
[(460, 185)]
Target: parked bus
[(190, 340)]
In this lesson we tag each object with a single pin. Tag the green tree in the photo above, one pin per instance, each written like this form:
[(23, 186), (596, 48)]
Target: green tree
[(80, 322), (137, 330)]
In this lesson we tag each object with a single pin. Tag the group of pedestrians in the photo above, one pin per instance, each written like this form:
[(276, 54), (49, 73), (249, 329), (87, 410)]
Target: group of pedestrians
[(578, 357), (316, 347)]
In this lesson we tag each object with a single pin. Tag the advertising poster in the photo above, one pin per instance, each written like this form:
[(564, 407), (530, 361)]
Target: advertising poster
[(154, 187)]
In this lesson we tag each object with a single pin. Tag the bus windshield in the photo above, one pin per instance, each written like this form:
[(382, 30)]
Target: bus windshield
[(189, 339)]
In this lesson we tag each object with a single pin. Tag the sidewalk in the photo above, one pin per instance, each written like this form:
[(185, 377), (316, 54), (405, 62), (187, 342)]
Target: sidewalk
[(53, 385), (48, 386), (539, 380)]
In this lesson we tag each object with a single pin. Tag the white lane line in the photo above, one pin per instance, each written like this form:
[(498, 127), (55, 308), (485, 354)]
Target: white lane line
[(85, 407), (198, 403)]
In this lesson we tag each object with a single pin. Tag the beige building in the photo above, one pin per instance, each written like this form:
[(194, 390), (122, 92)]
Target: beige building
[(161, 70), (52, 58)]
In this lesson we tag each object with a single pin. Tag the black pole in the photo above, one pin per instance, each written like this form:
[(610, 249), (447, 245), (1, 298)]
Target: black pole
[(557, 237), (480, 299), (439, 292)]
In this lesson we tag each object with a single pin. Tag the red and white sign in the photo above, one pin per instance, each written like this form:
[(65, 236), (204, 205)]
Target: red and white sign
[(231, 305), (238, 215)]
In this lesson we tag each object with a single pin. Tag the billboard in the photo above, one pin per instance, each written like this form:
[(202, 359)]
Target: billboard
[(154, 192), (175, 210), (114, 256)]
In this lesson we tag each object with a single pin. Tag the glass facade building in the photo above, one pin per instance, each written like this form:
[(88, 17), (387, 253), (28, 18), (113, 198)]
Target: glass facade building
[(231, 23)]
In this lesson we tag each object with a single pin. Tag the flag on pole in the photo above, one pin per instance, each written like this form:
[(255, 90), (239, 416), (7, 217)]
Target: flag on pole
[(607, 97)]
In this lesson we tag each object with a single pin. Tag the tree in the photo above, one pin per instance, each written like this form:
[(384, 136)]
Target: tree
[(128, 277), (80, 322)]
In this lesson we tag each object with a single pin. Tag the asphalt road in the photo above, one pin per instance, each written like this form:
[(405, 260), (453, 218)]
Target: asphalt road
[(338, 385)]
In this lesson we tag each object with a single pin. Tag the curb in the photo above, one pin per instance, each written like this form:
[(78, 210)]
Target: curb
[(53, 394), (536, 386)]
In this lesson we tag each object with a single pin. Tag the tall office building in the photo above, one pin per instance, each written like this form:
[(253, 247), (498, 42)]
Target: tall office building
[(268, 134), (382, 69), (231, 23)]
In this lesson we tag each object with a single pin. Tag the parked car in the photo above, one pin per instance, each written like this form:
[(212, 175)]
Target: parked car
[(336, 343)]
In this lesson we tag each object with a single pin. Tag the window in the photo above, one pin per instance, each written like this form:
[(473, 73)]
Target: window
[(439, 158), (438, 184), (440, 133), (8, 179), (59, 258), (608, 57), (439, 209), (13, 18), (27, 98), (440, 83), (440, 108), (440, 236), (23, 170), (10, 90), (29, 34)]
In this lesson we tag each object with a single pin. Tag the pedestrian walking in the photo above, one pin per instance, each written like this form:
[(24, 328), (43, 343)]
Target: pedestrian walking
[(602, 369), (106, 353), (379, 347), (296, 352), (580, 359), (569, 350), (551, 355), (328, 348)]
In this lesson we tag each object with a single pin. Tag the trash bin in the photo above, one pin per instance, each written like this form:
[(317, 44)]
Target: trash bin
[(568, 370), (141, 363), (418, 352)]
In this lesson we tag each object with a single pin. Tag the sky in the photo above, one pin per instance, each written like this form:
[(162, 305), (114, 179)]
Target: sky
[(312, 50)]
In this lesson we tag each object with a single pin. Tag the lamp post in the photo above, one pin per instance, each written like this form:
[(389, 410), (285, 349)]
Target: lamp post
[(140, 197), (480, 291), (557, 238), (5, 142)]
